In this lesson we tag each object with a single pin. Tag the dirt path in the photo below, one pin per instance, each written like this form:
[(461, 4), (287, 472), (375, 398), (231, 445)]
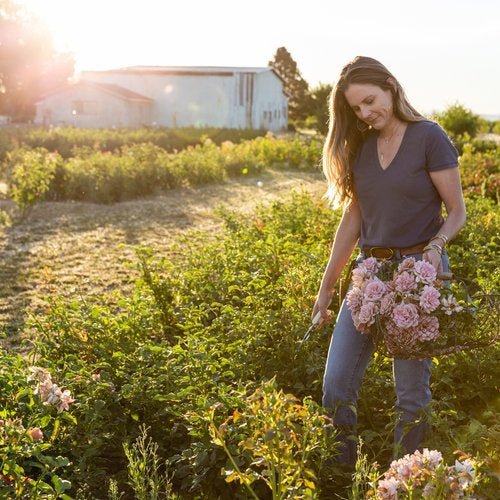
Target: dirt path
[(82, 248)]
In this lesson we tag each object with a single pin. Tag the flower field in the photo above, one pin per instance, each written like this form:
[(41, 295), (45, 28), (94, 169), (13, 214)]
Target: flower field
[(191, 380)]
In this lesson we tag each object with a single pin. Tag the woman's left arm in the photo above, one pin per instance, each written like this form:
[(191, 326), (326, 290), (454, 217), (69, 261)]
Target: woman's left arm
[(447, 183)]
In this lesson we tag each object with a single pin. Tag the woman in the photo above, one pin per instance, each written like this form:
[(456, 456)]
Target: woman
[(391, 169)]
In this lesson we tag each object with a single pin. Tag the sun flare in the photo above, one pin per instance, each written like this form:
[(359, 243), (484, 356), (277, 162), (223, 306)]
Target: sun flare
[(104, 35)]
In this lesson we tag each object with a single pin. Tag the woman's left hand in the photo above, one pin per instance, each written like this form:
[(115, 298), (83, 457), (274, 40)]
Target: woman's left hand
[(433, 257)]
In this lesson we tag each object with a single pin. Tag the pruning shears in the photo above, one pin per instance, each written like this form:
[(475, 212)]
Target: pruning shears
[(311, 329)]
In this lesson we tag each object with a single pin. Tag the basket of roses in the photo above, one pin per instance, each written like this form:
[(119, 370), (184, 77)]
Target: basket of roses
[(413, 313)]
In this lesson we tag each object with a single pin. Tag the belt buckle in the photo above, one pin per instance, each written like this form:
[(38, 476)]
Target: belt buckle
[(390, 252)]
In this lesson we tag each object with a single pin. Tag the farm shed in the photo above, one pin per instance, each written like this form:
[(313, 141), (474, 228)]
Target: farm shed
[(94, 104), (225, 97)]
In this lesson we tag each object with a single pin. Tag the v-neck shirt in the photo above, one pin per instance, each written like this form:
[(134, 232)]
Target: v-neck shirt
[(399, 205)]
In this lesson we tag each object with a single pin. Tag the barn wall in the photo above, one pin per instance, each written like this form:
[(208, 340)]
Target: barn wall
[(271, 105), (100, 109), (241, 100), (181, 100)]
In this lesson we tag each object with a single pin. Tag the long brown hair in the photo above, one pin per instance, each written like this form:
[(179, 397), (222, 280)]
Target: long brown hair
[(346, 132)]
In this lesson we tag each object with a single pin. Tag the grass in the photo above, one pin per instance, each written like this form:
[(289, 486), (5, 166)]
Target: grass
[(67, 248)]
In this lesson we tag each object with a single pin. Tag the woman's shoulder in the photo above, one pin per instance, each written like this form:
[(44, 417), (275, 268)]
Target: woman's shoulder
[(439, 149), (426, 127)]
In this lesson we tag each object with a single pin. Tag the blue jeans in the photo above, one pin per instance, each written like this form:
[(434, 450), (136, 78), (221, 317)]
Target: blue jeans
[(348, 356)]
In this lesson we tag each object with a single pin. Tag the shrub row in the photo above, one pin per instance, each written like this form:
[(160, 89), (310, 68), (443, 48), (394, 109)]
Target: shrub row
[(206, 351), (480, 172), (67, 140), (144, 169)]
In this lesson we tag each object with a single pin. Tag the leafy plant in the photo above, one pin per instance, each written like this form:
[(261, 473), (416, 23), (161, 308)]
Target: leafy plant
[(31, 173), (287, 442)]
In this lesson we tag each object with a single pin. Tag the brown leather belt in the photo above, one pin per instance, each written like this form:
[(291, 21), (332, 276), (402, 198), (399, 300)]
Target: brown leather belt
[(390, 252)]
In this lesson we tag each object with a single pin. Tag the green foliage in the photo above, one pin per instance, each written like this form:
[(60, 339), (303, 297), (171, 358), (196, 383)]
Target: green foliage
[(189, 353), (318, 110), (31, 173), (479, 172), (144, 169), (145, 476), (30, 464), (68, 141), (286, 442), (458, 120)]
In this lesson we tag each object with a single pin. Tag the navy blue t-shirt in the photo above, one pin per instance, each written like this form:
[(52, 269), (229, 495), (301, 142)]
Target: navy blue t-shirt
[(400, 206)]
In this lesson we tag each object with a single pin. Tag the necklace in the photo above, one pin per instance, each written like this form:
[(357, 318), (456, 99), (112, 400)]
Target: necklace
[(386, 141)]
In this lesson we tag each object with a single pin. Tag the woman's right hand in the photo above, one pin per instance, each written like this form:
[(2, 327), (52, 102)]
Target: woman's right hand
[(321, 305)]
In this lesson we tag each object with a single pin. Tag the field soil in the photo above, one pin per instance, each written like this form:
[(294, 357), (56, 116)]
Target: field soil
[(82, 249)]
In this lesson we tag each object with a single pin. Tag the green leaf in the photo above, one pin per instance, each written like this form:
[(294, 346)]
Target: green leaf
[(61, 484)]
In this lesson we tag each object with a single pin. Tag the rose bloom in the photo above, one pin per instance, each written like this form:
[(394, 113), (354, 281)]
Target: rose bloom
[(407, 264), (45, 389), (405, 315), (387, 303), (360, 326), (368, 312), (429, 299), (388, 489), (404, 282), (372, 265), (432, 458), (425, 272), (354, 299), (36, 433), (65, 401), (359, 275), (374, 290), (429, 491), (39, 374)]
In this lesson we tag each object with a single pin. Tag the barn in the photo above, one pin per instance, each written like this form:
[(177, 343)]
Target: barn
[(166, 96)]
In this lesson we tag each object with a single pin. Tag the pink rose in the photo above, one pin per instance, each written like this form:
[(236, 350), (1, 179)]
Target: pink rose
[(374, 290), (387, 303), (407, 264), (404, 282), (359, 325), (359, 275), (428, 329), (405, 315), (65, 401), (354, 299), (372, 265), (36, 433), (425, 272), (39, 374), (45, 389), (368, 312), (388, 489), (429, 299)]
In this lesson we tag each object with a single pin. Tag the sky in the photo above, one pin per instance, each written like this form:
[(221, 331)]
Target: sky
[(442, 51)]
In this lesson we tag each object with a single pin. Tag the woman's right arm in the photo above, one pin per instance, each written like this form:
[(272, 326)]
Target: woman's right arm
[(346, 237)]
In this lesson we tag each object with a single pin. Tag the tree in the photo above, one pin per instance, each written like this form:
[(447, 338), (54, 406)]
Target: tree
[(29, 65), (296, 87), (458, 120), (318, 107)]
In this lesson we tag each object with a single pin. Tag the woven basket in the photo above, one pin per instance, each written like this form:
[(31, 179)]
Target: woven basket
[(476, 326)]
